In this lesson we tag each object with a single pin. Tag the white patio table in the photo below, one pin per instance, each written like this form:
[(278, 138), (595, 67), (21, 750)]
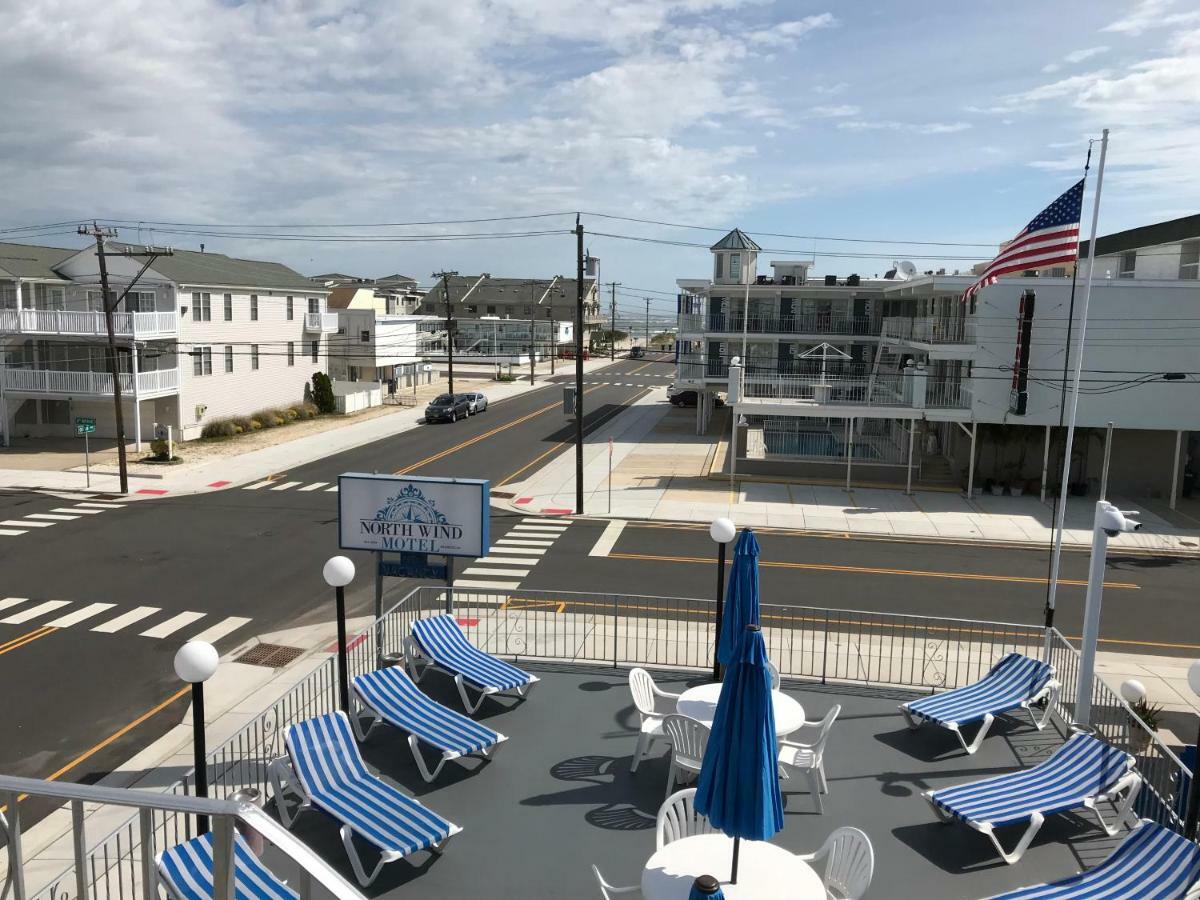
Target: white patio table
[(765, 871), (700, 703)]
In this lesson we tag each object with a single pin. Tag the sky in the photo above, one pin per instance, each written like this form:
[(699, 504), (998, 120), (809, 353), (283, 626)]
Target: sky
[(887, 123)]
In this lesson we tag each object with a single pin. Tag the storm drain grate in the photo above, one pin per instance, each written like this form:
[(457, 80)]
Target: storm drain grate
[(273, 656)]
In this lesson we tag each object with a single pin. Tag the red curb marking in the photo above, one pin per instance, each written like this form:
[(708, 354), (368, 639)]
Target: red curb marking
[(557, 511), (467, 623), (350, 645), (521, 501), (155, 491), (220, 483)]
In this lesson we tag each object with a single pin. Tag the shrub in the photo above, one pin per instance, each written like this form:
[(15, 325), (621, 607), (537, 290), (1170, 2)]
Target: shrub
[(270, 418), (322, 391), (159, 449), (255, 425), (243, 423), (292, 413), (218, 428), (309, 410)]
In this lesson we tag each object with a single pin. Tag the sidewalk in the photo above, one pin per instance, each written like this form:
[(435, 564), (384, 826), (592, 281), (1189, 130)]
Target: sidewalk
[(663, 470), (254, 465)]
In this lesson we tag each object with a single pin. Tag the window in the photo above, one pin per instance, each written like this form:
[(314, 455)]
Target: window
[(1128, 264), (135, 301), (314, 305), (254, 357), (202, 361), (291, 311), (315, 348), (229, 307), (735, 266), (719, 271), (228, 358), (1189, 260), (291, 350), (365, 336), (528, 309), (254, 307), (491, 309), (201, 307)]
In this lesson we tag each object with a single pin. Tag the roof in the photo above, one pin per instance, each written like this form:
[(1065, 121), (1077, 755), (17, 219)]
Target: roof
[(1145, 236), (340, 297), (735, 240), (191, 267), (32, 260), (508, 290)]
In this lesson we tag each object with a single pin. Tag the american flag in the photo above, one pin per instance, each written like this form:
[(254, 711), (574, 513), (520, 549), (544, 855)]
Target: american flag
[(1051, 238)]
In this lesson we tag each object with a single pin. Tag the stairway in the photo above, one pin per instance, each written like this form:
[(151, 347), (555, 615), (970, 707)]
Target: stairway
[(936, 471)]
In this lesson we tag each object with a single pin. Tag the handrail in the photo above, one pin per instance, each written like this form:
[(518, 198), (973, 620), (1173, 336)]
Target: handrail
[(91, 793)]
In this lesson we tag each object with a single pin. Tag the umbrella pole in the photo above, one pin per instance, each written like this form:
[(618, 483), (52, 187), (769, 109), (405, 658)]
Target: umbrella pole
[(720, 609), (737, 845)]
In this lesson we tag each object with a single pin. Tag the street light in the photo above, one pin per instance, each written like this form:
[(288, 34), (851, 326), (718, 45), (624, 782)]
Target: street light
[(722, 531), (1193, 807), (1109, 522), (195, 663), (339, 572)]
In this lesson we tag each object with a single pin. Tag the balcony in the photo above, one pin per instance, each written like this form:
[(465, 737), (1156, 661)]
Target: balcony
[(56, 383), (809, 323), (87, 323), (856, 395), (321, 322), (942, 337)]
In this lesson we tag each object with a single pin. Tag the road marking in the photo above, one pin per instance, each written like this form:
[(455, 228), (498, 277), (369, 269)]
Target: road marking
[(608, 540), (29, 638), (530, 531), (868, 570), (538, 520), (79, 615), (503, 573), (508, 560), (75, 512), (92, 505), (501, 585), (134, 615), (172, 624), (334, 488), (523, 543), (541, 528), (286, 485), (222, 628), (258, 486), (56, 517), (25, 524), (12, 601), (34, 611), (523, 551), (519, 603), (316, 485), (10, 532)]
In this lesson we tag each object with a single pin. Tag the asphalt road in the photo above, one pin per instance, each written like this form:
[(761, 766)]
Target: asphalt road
[(78, 702)]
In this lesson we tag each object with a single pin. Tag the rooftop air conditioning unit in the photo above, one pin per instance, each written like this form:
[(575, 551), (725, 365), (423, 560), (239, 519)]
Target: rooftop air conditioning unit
[(852, 280), (830, 281), (788, 279)]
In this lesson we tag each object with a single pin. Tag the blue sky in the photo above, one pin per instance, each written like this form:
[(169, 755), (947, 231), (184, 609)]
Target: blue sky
[(895, 122)]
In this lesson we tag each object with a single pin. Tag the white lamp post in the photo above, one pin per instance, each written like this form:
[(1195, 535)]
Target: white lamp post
[(722, 531), (339, 572), (195, 663), (1109, 522), (1193, 807)]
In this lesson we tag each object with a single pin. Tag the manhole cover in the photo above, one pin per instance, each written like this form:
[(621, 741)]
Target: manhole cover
[(273, 656)]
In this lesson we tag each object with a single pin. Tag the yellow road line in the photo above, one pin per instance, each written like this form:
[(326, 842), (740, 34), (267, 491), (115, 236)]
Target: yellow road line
[(557, 605), (870, 570), (644, 366), (19, 642)]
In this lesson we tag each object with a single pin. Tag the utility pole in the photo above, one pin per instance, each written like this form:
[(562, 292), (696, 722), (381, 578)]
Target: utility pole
[(647, 324), (578, 366), (532, 354), (612, 322), (110, 306), (446, 276), (553, 336)]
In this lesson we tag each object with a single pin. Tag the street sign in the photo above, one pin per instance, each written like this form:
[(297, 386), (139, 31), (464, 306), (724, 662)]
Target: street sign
[(412, 565), (411, 514), (84, 425)]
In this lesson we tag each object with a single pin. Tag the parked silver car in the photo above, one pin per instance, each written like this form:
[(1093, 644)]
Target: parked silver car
[(476, 402)]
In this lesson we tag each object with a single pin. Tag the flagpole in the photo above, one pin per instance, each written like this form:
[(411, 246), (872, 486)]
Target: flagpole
[(1066, 470)]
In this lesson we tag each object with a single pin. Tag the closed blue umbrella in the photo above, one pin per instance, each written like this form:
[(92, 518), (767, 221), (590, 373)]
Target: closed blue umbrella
[(706, 888), (741, 600), (738, 787)]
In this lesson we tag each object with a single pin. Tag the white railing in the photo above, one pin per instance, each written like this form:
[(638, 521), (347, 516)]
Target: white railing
[(51, 381), (929, 329), (88, 323), (798, 323), (852, 390), (947, 395), (321, 321)]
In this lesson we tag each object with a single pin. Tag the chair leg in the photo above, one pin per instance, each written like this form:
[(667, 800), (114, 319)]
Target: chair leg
[(671, 777), (355, 861), (824, 781), (814, 785), (1035, 823), (279, 772), (645, 739), (414, 746), (984, 726), (462, 692), (1050, 694), (914, 725), (359, 711)]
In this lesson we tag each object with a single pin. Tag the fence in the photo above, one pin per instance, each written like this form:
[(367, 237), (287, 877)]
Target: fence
[(803, 323), (930, 329), (854, 390)]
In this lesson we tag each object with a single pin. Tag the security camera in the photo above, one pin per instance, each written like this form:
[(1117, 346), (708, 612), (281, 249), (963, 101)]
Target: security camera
[(1114, 521)]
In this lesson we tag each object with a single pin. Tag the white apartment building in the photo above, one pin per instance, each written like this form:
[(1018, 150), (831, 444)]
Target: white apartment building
[(371, 346), (201, 336), (897, 381), (392, 295)]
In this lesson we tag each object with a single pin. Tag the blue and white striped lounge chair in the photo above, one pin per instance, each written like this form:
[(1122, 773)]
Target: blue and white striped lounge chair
[(325, 770), (186, 871), (1015, 682), (389, 695), (1152, 863), (1081, 772), (437, 641)]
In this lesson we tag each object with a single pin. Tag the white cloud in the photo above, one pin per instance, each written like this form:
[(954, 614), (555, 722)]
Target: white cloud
[(914, 127), (834, 112), (1075, 57), (1151, 14), (787, 33)]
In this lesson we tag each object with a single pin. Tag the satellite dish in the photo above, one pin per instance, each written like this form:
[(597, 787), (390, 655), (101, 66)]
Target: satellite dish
[(907, 269)]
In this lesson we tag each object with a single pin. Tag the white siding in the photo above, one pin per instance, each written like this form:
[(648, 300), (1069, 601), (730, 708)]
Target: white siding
[(1161, 261)]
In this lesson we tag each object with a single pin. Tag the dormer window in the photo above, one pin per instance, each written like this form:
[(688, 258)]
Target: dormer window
[(735, 267), (720, 270)]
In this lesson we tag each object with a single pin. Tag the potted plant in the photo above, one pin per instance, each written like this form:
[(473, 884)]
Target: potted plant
[(1139, 737)]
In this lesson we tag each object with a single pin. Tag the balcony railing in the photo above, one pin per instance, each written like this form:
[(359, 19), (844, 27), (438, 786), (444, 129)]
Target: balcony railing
[(929, 330), (834, 390), (86, 323), (807, 323), (321, 322), (93, 384)]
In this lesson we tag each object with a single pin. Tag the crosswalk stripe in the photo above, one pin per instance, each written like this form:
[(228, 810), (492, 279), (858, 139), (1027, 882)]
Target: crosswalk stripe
[(334, 488), (522, 551), (34, 611), (503, 573), (93, 505), (286, 485), (21, 523), (57, 517), (134, 615), (541, 529), (222, 628), (502, 585), (172, 624), (74, 618), (316, 485), (532, 533), (522, 543), (255, 487), (10, 532), (508, 560), (12, 601), (75, 512), (541, 520)]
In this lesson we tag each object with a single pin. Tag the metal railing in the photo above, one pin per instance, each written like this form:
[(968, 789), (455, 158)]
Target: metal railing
[(850, 390), (88, 322), (801, 323), (929, 329), (948, 395), (828, 445), (54, 381), (321, 322)]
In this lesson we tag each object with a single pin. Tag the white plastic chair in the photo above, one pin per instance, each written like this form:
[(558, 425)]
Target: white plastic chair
[(678, 819), (652, 704), (608, 891), (849, 863), (774, 670), (688, 739), (809, 758)]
